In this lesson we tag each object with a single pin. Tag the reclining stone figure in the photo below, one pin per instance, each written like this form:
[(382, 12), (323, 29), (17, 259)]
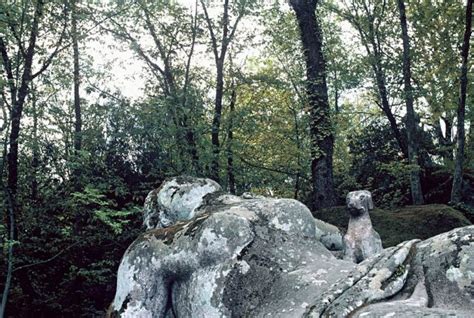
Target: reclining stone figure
[(361, 240), (261, 257)]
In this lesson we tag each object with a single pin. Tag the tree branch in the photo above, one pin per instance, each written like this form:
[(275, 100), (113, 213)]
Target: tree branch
[(211, 31), (46, 260), (57, 47)]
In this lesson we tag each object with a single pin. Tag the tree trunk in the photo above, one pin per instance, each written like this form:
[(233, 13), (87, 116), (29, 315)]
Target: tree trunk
[(190, 135), (18, 98), (370, 40), (10, 221), (219, 51), (17, 108), (456, 193), (230, 137), (10, 257), (322, 140), (216, 121), (383, 94), (336, 93), (77, 99), (35, 150), (298, 161), (415, 182)]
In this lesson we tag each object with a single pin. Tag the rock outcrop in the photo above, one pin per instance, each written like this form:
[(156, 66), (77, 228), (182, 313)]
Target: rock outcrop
[(262, 257)]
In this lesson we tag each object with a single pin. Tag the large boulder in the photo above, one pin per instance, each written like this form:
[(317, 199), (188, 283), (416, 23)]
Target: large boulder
[(262, 257)]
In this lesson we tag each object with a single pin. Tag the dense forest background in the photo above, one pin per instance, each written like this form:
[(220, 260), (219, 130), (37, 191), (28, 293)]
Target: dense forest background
[(102, 100)]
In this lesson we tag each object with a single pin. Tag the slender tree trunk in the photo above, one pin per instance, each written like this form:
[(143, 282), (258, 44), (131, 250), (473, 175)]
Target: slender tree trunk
[(79, 218), (10, 215), (191, 141), (322, 140), (190, 135), (216, 121), (336, 93), (17, 108), (9, 274), (370, 40), (219, 50), (298, 161), (77, 81), (230, 138), (456, 193), (35, 159), (383, 94), (415, 182)]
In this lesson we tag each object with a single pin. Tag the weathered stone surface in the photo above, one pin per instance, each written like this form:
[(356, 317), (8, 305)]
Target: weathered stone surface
[(176, 200), (261, 257), (377, 278), (361, 240), (447, 264), (440, 282), (329, 235), (415, 306)]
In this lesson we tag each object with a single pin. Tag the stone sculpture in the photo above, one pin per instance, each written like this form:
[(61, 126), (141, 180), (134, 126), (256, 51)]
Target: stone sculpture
[(261, 257), (361, 240)]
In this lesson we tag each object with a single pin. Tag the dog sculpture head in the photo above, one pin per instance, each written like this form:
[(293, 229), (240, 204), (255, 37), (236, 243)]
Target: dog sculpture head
[(359, 202)]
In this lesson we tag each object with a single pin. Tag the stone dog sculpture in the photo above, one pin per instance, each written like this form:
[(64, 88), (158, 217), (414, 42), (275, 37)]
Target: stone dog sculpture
[(361, 240), (227, 256)]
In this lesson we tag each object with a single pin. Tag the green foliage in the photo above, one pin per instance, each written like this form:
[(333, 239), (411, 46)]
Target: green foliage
[(376, 165), (102, 208)]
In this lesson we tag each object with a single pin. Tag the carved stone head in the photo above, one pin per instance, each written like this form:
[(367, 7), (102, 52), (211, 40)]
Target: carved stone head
[(176, 200), (359, 202)]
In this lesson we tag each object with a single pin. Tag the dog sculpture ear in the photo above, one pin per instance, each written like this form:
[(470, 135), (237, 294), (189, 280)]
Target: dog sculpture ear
[(370, 203)]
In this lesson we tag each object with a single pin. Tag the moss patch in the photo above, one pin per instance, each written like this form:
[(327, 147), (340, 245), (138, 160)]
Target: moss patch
[(410, 222)]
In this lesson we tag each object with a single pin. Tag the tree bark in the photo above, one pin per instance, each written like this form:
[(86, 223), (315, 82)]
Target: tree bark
[(385, 105), (216, 120), (230, 138), (298, 146), (456, 192), (322, 139), (10, 257), (10, 216), (35, 150), (17, 108), (190, 135), (77, 81), (415, 182), (336, 93)]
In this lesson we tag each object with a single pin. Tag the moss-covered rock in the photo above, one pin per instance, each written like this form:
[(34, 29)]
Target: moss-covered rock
[(395, 226)]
